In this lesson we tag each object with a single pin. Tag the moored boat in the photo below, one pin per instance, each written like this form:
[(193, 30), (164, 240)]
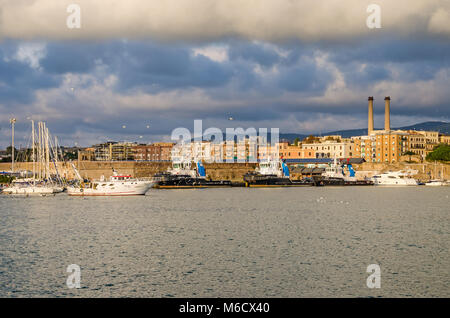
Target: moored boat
[(274, 173), (116, 185), (436, 183), (334, 175), (394, 178), (183, 176)]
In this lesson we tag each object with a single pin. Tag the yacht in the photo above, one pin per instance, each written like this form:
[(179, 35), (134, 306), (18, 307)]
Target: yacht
[(116, 185), (394, 178)]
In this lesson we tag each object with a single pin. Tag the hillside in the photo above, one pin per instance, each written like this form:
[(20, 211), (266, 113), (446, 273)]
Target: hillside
[(442, 127)]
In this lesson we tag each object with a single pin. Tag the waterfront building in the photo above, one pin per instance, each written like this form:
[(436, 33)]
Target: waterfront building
[(288, 151), (160, 151), (114, 151), (331, 149), (444, 139)]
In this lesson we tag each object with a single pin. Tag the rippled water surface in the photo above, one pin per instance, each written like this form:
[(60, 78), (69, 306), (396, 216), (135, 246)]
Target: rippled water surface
[(287, 242)]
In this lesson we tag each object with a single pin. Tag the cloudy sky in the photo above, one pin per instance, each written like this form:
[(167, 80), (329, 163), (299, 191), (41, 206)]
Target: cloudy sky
[(150, 66)]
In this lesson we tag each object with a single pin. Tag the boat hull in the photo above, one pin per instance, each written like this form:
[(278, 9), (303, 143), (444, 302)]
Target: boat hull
[(138, 188), (190, 183), (253, 180), (343, 182), (436, 184), (31, 190)]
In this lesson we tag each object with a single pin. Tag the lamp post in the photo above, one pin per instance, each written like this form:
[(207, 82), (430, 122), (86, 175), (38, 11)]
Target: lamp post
[(12, 121)]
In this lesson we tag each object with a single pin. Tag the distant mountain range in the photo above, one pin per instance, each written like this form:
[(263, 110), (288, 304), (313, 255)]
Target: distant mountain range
[(440, 126)]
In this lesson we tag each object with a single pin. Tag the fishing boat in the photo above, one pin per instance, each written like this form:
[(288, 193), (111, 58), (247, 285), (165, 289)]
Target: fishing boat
[(183, 176), (116, 185), (43, 181), (334, 175), (394, 178), (273, 173)]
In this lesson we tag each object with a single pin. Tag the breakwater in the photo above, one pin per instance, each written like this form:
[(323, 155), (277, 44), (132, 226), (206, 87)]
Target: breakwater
[(221, 171)]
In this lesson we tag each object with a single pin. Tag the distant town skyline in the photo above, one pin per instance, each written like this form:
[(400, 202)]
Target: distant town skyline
[(141, 75)]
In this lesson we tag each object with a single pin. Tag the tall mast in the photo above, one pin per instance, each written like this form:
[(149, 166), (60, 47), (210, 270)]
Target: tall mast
[(39, 151), (47, 154), (12, 121), (33, 154)]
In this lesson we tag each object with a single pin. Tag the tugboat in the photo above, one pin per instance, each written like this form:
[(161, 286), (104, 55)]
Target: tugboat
[(334, 176), (274, 173), (183, 176)]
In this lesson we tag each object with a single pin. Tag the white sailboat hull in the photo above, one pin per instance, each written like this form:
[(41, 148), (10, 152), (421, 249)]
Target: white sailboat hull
[(32, 190), (436, 184)]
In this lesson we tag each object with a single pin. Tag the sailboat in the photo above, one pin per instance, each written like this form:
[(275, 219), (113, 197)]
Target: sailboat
[(437, 182), (42, 182)]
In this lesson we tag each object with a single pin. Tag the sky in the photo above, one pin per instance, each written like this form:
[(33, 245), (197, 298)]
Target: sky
[(137, 69)]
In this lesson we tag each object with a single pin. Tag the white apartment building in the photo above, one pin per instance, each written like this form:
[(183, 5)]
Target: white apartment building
[(332, 149)]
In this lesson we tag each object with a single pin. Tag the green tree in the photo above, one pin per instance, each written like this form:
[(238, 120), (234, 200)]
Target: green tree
[(310, 139), (6, 179), (440, 153), (296, 141), (409, 154)]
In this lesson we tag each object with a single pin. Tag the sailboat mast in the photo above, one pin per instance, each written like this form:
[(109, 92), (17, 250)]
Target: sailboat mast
[(33, 154), (12, 121), (47, 154), (39, 151)]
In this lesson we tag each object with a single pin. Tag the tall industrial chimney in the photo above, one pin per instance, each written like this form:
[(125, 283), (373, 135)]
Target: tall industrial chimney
[(387, 111), (370, 125)]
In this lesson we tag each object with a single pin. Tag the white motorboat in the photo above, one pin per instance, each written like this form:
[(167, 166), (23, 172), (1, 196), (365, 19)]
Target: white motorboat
[(436, 183), (394, 178), (117, 185)]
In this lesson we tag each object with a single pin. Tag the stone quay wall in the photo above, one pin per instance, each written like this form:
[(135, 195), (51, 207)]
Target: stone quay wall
[(220, 171)]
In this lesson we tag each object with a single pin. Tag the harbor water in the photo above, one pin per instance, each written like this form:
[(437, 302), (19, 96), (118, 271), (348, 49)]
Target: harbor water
[(236, 242)]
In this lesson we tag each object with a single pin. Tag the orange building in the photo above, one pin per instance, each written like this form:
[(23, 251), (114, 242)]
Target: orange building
[(287, 151)]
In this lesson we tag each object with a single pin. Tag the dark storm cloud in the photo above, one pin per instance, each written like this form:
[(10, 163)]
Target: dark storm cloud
[(249, 85), (18, 80), (255, 53), (393, 50), (154, 68), (69, 57), (304, 77)]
